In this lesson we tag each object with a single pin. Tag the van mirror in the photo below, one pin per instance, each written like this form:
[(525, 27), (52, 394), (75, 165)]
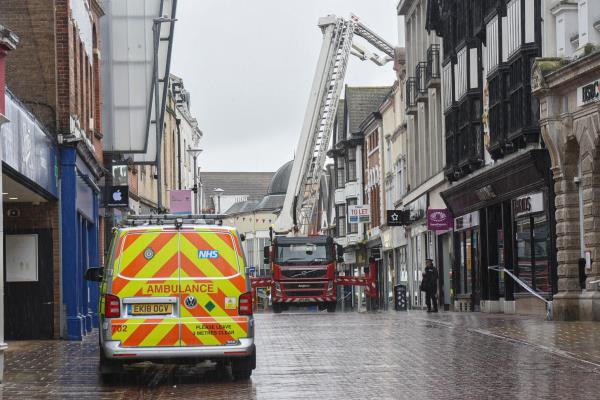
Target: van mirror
[(266, 254), (94, 274), (339, 252), (242, 237)]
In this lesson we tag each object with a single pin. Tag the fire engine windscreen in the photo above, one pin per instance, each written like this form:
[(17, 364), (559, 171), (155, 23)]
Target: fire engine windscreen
[(306, 253)]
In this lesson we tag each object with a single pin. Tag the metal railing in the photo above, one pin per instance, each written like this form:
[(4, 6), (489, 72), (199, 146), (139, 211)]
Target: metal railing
[(525, 286), (173, 219), (421, 79), (411, 92), (433, 62)]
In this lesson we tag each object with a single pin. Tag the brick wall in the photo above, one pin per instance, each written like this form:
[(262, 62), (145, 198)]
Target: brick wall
[(31, 67), (42, 216)]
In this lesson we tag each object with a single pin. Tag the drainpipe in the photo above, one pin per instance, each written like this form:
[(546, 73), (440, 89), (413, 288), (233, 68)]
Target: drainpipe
[(8, 42), (178, 123)]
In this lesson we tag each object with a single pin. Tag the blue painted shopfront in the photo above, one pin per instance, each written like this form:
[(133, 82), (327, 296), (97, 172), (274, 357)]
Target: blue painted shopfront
[(79, 218)]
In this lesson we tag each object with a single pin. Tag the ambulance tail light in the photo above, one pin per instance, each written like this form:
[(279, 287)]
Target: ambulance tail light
[(245, 304), (112, 306)]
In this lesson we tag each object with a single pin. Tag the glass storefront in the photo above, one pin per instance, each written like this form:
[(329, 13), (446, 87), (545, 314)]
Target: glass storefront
[(532, 244), (468, 242)]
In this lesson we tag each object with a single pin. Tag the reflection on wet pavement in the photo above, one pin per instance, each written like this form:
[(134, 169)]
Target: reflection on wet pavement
[(344, 356)]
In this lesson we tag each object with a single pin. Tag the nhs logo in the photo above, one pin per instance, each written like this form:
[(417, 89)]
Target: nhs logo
[(208, 253)]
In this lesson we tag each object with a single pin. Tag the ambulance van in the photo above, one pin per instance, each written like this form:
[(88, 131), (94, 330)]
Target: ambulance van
[(174, 293)]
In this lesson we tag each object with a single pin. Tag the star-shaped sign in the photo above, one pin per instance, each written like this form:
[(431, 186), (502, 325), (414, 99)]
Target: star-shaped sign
[(394, 217)]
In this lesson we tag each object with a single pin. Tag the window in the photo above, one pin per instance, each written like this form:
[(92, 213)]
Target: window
[(532, 236), (352, 165), (513, 11), (352, 228), (447, 82), (492, 45), (341, 220), (340, 168), (461, 73)]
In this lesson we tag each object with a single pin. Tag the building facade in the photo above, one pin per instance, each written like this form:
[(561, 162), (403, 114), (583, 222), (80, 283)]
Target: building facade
[(566, 83), (8, 42), (394, 167), (349, 172), (425, 151), (55, 77), (501, 196)]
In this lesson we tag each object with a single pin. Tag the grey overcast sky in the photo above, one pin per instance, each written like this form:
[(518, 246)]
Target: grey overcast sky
[(249, 65)]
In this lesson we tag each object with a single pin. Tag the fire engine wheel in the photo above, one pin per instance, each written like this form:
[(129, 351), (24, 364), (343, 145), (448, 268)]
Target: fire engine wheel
[(331, 306), (277, 308), (241, 368)]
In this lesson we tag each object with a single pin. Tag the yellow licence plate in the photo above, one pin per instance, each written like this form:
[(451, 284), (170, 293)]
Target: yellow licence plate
[(151, 309)]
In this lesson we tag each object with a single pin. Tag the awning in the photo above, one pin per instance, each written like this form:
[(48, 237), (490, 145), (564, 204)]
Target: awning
[(524, 173)]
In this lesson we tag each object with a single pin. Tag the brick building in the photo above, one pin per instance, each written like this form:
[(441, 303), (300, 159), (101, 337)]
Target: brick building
[(54, 77)]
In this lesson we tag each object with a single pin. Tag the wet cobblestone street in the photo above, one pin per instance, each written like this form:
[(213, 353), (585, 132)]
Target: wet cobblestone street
[(344, 356)]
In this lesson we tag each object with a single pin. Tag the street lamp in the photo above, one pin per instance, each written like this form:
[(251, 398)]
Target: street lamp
[(218, 192), (195, 153), (157, 121)]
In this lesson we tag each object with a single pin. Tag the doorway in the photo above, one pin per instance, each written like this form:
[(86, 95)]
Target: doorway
[(28, 285)]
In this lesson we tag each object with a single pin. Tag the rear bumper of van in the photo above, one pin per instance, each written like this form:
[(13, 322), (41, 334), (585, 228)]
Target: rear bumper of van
[(114, 350)]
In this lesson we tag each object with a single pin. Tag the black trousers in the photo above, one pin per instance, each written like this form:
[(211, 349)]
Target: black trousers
[(431, 297)]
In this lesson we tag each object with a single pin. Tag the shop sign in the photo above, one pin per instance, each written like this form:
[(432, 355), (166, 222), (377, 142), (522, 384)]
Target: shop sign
[(118, 197), (588, 93), (120, 175), (417, 209), (350, 257), (26, 148), (376, 253), (466, 221), (398, 217), (180, 201), (529, 204), (439, 219), (358, 214)]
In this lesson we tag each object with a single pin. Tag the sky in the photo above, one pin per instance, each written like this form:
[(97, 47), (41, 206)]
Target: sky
[(249, 66)]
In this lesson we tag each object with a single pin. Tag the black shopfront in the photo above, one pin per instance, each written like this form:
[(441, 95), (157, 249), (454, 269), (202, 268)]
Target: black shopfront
[(504, 219)]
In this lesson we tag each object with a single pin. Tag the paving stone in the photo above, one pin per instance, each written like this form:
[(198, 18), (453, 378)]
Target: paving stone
[(386, 355)]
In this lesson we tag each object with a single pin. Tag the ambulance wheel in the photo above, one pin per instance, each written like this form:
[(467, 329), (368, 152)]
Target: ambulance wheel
[(109, 369), (331, 306), (277, 308), (241, 368)]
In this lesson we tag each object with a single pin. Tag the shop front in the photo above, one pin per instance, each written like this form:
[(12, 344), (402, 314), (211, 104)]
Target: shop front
[(504, 220), (80, 201), (31, 226)]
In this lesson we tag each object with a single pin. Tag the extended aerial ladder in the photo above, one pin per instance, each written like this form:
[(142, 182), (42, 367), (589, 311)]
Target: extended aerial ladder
[(338, 43), (302, 194)]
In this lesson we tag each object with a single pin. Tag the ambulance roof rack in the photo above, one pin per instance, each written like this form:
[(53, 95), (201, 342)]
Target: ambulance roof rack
[(173, 219)]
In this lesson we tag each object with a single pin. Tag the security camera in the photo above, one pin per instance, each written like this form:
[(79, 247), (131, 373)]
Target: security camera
[(576, 180)]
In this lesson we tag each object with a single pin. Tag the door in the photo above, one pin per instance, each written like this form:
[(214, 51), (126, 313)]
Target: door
[(212, 281), (28, 287), (146, 280)]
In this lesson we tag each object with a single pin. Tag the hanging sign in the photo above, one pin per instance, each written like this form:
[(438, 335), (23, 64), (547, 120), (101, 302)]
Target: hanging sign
[(439, 219), (359, 213), (180, 201), (118, 196)]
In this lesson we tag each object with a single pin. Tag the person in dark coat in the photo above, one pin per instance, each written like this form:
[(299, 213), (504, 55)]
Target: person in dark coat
[(429, 285)]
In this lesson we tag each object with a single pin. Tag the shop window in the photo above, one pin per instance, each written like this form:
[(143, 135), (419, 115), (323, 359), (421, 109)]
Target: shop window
[(533, 268), (468, 243)]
